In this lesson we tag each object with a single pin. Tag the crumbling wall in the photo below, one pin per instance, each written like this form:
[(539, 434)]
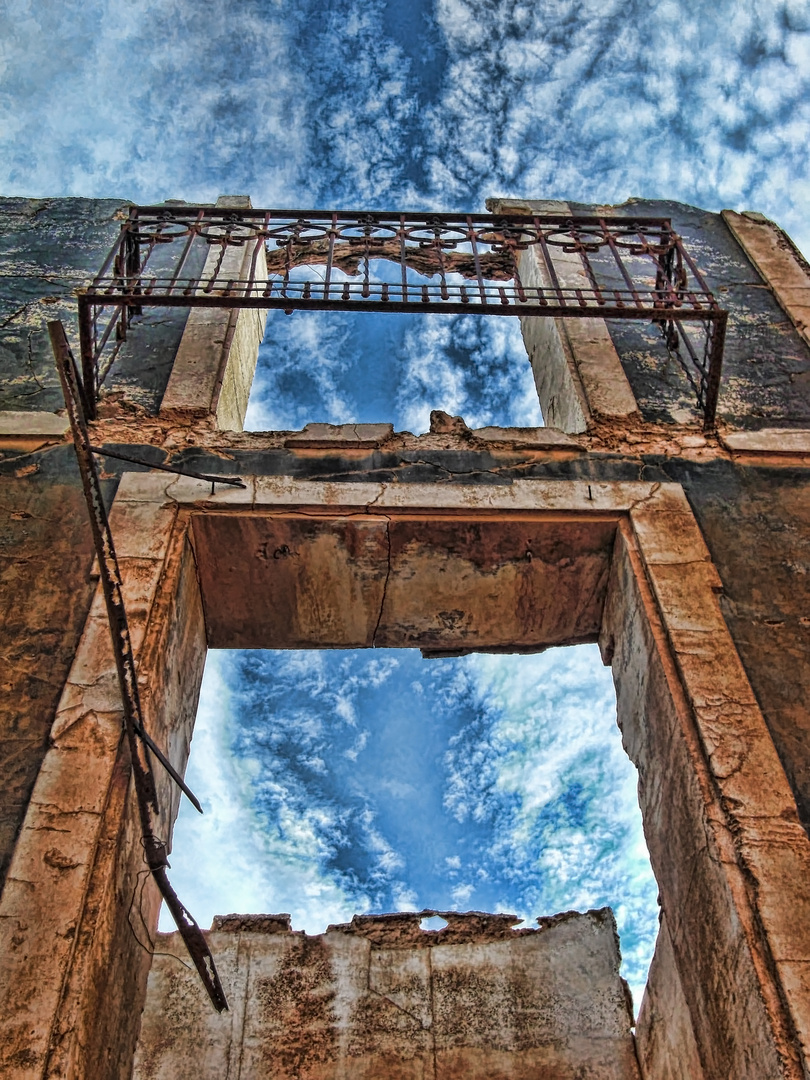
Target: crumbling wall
[(49, 248), (379, 998), (65, 964)]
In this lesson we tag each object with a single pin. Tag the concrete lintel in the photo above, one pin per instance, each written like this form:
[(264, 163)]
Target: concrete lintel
[(528, 438), (768, 441), (33, 424), (528, 206), (283, 492)]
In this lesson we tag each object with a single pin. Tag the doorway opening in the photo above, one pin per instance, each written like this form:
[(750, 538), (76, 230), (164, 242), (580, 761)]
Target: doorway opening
[(338, 782)]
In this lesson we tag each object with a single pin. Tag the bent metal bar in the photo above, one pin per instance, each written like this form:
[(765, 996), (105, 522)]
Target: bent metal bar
[(627, 268)]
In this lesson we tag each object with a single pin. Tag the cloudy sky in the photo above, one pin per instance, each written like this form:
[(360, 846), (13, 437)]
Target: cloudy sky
[(341, 782)]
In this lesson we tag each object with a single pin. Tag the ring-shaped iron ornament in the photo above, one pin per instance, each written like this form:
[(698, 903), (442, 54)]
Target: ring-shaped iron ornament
[(636, 241), (354, 234), (434, 234), (162, 232), (574, 239), (218, 229), (222, 236), (297, 232), (507, 234), (371, 235)]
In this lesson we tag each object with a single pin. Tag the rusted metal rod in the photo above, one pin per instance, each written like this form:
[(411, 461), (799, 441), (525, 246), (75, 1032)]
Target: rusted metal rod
[(209, 478), (140, 744)]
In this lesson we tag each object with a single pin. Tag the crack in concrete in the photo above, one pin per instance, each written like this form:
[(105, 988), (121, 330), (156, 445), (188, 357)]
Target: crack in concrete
[(646, 498), (400, 1008), (385, 583), (19, 311)]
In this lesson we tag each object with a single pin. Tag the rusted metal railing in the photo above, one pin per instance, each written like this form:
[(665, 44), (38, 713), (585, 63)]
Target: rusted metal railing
[(578, 266)]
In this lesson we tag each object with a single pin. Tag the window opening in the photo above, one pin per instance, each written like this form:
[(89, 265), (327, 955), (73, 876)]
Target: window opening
[(345, 367), (433, 923), (338, 782)]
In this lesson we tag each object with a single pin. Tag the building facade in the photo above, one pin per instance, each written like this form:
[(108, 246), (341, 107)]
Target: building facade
[(668, 525)]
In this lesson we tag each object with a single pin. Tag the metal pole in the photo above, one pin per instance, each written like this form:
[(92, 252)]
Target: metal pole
[(139, 742)]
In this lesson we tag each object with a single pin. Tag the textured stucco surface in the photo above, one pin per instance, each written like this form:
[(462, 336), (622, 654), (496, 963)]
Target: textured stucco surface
[(381, 998), (766, 362), (49, 248), (719, 813)]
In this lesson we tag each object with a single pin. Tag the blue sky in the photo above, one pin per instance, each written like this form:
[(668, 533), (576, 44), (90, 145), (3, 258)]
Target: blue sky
[(307, 763)]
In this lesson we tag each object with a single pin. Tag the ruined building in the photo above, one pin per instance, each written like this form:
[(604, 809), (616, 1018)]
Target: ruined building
[(663, 512)]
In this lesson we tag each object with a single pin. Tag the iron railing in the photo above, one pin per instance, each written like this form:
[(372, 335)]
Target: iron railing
[(585, 266)]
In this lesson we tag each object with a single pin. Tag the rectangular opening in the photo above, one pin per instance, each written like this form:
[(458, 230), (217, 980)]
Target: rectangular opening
[(339, 781), (342, 782), (360, 367)]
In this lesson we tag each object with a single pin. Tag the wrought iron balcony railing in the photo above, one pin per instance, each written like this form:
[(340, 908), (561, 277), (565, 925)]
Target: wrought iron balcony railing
[(544, 265)]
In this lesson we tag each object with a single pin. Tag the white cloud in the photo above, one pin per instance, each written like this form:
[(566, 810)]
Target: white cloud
[(565, 101), (228, 860), (550, 736), (467, 366), (462, 893)]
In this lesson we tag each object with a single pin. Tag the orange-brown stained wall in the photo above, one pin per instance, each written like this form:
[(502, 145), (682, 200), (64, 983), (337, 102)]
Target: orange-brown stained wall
[(45, 593), (388, 581), (381, 999)]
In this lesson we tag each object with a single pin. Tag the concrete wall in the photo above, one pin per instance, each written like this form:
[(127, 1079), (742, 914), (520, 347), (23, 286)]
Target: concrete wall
[(766, 364), (709, 636), (48, 249), (379, 997)]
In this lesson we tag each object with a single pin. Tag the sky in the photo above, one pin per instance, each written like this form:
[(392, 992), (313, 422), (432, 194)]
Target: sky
[(340, 782)]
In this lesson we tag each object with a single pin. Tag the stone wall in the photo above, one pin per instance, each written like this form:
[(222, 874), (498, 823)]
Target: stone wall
[(380, 997), (730, 991)]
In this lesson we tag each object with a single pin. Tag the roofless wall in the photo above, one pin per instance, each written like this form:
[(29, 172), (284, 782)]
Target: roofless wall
[(681, 547)]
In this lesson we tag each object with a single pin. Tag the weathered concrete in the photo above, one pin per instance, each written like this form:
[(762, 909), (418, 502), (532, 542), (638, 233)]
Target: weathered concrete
[(45, 554), (687, 553), (34, 424), (279, 581), (329, 436), (665, 1040), (48, 249), (719, 817), (216, 356), (78, 854), (766, 362), (379, 997), (541, 438), (778, 261), (577, 371)]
